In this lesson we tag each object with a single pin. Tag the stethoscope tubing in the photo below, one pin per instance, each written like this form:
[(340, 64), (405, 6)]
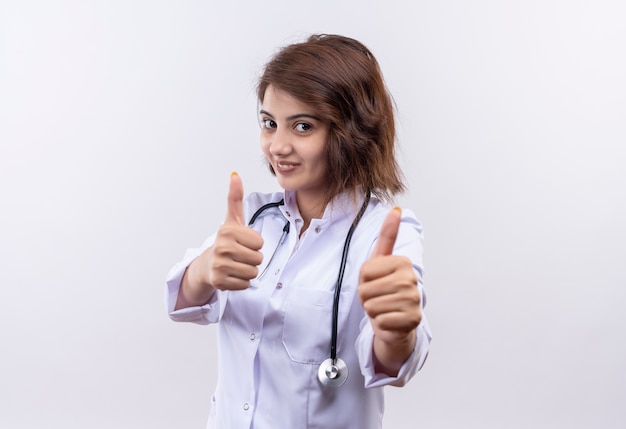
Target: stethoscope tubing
[(282, 237), (342, 268), (333, 371)]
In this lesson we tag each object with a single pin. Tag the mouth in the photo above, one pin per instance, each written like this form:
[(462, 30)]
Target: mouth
[(286, 166)]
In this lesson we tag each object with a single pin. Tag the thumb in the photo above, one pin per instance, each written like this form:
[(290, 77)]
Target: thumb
[(388, 233), (234, 212)]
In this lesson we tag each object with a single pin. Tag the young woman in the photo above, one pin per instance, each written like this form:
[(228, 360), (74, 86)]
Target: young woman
[(317, 290)]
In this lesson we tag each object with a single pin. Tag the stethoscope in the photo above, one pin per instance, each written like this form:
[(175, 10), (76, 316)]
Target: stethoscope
[(333, 372)]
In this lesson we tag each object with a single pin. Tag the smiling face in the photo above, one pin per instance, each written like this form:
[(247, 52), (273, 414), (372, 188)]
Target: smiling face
[(293, 139)]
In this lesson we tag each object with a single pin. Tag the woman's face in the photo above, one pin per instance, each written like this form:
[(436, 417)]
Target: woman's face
[(294, 139)]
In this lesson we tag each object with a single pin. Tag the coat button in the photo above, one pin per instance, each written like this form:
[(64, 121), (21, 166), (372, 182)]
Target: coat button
[(246, 406), (252, 337)]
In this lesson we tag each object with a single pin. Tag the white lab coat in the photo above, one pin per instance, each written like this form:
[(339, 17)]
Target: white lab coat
[(274, 335)]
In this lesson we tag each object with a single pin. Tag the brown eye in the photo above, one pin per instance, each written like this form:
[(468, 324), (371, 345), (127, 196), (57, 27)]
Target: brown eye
[(268, 123), (303, 127)]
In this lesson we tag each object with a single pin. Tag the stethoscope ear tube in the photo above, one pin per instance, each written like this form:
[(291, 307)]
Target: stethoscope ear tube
[(263, 208), (282, 237)]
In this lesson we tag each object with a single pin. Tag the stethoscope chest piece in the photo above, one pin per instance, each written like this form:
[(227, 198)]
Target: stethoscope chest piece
[(332, 374)]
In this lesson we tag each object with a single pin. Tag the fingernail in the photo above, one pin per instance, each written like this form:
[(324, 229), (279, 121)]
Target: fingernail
[(397, 208), (234, 173)]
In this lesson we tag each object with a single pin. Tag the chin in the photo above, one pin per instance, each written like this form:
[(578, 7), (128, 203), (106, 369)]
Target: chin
[(286, 185)]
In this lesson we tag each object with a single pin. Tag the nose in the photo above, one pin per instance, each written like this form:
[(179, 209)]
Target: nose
[(280, 142)]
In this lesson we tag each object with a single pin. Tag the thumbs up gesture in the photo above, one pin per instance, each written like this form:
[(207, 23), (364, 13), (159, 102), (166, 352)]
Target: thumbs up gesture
[(231, 262), (390, 297), (236, 252)]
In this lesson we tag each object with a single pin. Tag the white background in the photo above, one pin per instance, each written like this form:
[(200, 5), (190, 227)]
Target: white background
[(120, 122)]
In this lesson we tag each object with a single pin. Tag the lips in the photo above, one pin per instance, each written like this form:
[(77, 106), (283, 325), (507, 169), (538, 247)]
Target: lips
[(286, 166)]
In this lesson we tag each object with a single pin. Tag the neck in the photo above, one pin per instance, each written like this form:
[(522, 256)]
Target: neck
[(310, 208)]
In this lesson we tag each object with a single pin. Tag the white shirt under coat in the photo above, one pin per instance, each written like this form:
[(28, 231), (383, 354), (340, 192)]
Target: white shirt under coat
[(274, 335)]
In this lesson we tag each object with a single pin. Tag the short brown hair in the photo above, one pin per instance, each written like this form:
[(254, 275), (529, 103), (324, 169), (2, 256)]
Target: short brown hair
[(342, 80)]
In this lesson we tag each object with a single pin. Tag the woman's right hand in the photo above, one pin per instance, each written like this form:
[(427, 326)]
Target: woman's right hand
[(231, 262)]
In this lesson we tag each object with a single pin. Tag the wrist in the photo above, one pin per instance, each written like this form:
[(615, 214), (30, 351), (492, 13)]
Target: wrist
[(194, 290), (391, 351)]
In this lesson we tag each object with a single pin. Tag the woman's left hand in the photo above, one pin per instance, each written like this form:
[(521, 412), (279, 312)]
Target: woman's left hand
[(390, 297)]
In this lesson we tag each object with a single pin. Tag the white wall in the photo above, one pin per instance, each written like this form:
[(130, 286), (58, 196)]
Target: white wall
[(120, 122)]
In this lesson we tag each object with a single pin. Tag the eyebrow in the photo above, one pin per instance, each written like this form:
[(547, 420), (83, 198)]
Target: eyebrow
[(292, 117)]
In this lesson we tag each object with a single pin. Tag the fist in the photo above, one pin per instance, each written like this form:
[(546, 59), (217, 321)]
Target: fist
[(388, 287), (232, 261)]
